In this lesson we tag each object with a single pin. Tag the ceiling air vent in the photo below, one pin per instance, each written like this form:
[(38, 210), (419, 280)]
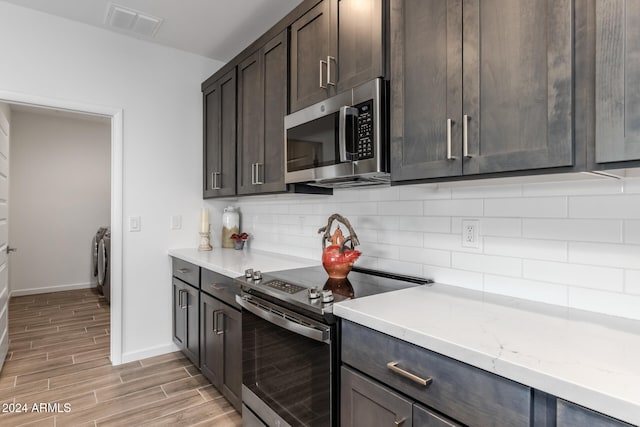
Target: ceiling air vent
[(133, 21)]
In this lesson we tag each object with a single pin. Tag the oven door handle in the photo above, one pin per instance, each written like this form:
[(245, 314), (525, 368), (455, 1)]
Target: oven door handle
[(306, 331), (346, 153)]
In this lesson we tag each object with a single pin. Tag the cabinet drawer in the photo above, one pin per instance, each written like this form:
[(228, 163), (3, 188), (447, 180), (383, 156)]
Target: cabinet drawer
[(220, 286), (570, 415), (187, 272), (465, 393)]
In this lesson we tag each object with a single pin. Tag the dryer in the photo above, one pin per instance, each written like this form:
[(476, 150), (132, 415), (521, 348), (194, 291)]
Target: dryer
[(104, 265)]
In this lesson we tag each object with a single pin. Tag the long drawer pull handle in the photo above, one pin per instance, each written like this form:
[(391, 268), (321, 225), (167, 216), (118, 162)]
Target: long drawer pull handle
[(393, 366), (183, 270)]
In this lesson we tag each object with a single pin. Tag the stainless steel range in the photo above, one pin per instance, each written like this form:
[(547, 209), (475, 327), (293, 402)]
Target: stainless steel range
[(290, 342)]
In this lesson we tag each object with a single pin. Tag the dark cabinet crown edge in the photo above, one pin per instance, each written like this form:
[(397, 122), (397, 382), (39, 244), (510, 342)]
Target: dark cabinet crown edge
[(283, 24)]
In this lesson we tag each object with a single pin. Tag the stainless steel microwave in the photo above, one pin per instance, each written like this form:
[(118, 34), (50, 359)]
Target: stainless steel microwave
[(341, 141)]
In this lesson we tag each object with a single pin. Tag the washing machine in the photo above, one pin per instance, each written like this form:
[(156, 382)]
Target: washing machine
[(104, 265)]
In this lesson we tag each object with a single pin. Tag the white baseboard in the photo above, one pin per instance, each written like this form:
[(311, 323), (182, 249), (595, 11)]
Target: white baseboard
[(47, 289), (149, 352)]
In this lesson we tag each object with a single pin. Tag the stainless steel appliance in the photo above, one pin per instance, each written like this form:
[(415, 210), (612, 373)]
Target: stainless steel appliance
[(342, 141), (290, 342)]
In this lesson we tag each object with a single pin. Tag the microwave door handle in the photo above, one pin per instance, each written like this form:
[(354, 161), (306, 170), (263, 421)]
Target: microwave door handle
[(342, 132)]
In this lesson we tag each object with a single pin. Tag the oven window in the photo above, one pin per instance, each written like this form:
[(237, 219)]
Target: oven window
[(288, 372), (313, 144)]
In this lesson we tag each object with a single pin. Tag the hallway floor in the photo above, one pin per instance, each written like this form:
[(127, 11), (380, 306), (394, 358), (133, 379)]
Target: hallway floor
[(58, 373)]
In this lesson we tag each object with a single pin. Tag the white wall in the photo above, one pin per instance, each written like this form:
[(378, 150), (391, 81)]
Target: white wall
[(60, 195), (574, 244), (158, 90)]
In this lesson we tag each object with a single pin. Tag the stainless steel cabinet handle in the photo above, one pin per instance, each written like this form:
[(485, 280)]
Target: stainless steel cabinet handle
[(215, 182), (393, 366), (258, 179), (217, 287), (399, 422), (329, 59), (322, 85), (183, 270), (217, 321), (183, 304), (253, 173), (465, 136), (449, 155)]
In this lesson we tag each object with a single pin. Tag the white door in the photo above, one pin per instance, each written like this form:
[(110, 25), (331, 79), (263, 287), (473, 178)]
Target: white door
[(4, 237)]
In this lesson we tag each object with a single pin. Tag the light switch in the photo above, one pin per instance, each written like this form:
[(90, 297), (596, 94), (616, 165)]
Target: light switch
[(176, 222), (134, 223)]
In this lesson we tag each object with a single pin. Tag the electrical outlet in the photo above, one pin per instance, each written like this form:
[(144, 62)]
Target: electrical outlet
[(470, 233)]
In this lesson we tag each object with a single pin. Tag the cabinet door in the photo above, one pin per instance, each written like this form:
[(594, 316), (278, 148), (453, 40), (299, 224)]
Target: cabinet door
[(192, 343), (357, 40), (274, 59), (309, 51), (617, 80), (517, 79), (231, 335), (423, 417), (365, 403), (426, 89), (221, 348), (210, 347), (220, 137), (179, 314), (570, 415), (250, 121)]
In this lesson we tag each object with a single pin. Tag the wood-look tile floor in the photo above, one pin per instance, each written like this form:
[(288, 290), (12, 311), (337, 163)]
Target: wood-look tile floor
[(58, 373)]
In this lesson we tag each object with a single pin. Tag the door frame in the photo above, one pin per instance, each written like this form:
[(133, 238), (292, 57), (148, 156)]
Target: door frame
[(116, 115)]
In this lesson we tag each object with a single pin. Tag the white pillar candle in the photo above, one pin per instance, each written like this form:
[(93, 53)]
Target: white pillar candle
[(204, 227)]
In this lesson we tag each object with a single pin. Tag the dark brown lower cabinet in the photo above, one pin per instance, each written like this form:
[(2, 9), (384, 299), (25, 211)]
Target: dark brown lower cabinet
[(185, 320), (570, 415), (367, 403), (221, 347)]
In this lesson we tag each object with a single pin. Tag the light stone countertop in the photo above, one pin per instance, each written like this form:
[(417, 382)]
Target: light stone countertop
[(233, 263), (586, 358)]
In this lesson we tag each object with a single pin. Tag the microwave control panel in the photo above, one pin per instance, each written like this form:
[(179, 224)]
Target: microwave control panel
[(364, 140)]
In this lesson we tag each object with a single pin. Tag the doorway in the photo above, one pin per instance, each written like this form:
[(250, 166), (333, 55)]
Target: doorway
[(114, 118)]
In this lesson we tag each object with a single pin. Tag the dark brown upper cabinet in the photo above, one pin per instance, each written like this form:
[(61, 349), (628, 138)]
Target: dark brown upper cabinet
[(335, 46), (617, 81), (480, 87), (262, 105), (219, 178)]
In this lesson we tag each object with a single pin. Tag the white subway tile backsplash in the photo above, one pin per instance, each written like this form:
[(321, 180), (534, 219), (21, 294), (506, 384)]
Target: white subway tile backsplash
[(623, 206), (454, 277), (504, 266), (528, 289), (616, 304), (632, 231), (432, 224), (488, 192), (467, 208), (432, 257), (622, 256), (570, 243), (581, 230), (584, 276), (526, 248), (530, 207), (589, 185), (632, 282)]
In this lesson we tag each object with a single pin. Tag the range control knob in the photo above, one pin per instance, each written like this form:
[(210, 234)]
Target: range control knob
[(327, 296), (257, 275), (314, 293), (248, 273)]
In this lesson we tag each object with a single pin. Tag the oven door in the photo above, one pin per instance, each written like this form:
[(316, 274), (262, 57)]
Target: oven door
[(287, 365)]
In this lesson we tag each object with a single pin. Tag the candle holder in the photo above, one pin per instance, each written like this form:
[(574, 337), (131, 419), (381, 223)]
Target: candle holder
[(205, 241)]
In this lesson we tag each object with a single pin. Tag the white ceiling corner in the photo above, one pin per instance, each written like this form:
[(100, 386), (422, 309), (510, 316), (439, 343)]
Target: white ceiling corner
[(217, 29)]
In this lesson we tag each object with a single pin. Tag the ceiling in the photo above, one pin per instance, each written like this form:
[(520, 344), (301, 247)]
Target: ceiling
[(217, 29)]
